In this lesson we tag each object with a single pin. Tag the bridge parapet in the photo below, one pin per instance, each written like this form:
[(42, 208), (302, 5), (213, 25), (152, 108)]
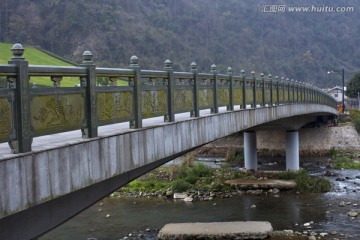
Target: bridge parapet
[(128, 95)]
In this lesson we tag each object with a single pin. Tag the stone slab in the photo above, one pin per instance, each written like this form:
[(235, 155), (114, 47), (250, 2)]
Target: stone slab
[(216, 230), (262, 184)]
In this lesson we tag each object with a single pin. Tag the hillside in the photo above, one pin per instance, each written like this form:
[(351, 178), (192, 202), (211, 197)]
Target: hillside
[(241, 34)]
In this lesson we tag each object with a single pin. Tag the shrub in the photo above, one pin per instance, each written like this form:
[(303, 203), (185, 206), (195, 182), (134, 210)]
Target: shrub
[(201, 170), (181, 185)]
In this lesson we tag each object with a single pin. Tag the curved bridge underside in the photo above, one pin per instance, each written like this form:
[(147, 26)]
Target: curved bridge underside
[(46, 187)]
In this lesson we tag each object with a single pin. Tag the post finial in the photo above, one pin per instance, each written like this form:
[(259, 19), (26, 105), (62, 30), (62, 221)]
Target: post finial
[(193, 66), (134, 61), (87, 56), (253, 73), (229, 70), (167, 64), (213, 68), (17, 51), (242, 73)]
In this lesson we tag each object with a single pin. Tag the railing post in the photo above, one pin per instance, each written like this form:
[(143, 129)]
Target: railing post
[(89, 82), (137, 97), (271, 90), (254, 88), (231, 89), (215, 89), (243, 89), (262, 89), (170, 117), (22, 110), (193, 69)]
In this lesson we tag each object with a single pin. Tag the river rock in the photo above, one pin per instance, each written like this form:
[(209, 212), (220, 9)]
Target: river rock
[(180, 195), (169, 193), (312, 238), (188, 199), (342, 204), (352, 214)]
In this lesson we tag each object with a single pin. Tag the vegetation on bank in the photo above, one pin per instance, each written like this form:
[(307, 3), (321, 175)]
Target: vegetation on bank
[(345, 163), (355, 118), (306, 183), (190, 176)]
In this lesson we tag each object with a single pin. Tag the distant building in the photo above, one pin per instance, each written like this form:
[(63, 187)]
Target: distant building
[(337, 93)]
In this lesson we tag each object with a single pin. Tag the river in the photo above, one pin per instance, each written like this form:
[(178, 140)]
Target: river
[(114, 218)]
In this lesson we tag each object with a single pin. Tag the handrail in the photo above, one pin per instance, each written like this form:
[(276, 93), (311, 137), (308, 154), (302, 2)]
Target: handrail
[(27, 112)]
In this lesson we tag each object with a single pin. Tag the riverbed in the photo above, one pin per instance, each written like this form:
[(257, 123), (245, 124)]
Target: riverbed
[(116, 218)]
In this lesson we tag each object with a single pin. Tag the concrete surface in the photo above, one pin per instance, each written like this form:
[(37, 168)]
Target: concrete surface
[(216, 230), (262, 184)]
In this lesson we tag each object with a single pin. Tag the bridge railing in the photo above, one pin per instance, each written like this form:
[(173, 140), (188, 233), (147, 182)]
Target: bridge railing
[(130, 95)]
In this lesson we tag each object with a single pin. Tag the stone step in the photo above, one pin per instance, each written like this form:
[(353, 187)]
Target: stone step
[(262, 184), (216, 230)]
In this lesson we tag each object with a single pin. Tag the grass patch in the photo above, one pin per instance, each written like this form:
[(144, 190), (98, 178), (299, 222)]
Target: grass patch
[(345, 163), (306, 183), (333, 152)]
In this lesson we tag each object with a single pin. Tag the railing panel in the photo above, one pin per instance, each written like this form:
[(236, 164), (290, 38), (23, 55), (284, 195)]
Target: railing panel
[(184, 93), (238, 92), (259, 98), (249, 95), (223, 95), (114, 105), (267, 94), (6, 116), (281, 93), (206, 91), (55, 110)]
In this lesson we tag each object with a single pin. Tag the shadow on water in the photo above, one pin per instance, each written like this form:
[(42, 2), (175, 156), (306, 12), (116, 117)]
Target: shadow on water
[(114, 218)]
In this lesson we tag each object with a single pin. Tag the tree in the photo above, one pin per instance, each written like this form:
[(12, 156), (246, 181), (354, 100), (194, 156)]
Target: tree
[(353, 86)]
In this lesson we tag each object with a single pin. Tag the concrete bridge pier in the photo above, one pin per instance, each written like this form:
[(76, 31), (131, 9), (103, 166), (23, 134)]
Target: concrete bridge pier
[(292, 150), (250, 152)]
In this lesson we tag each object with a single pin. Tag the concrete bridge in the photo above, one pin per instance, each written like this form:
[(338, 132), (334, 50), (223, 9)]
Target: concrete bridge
[(64, 148)]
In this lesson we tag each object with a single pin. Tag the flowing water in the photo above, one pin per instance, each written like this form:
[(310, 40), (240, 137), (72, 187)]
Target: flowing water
[(115, 218)]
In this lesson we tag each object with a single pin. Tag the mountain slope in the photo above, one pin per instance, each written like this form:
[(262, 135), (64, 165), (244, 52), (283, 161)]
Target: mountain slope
[(299, 45)]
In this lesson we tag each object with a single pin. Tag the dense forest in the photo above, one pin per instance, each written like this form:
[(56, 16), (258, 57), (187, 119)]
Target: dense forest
[(240, 34)]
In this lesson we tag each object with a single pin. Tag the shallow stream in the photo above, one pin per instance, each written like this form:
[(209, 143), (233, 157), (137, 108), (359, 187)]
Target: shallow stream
[(136, 218)]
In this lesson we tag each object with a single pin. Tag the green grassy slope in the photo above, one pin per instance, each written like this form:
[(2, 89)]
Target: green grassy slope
[(37, 57)]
